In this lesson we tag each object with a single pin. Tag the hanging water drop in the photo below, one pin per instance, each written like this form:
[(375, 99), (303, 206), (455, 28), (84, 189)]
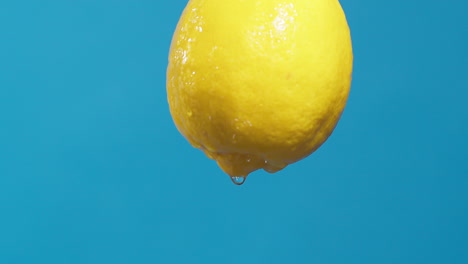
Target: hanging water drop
[(238, 180), (271, 170)]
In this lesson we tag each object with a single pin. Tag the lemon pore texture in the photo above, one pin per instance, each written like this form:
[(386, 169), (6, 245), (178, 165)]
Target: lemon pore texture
[(259, 84)]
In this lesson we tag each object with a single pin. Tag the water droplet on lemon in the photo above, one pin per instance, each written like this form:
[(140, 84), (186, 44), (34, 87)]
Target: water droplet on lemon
[(238, 180)]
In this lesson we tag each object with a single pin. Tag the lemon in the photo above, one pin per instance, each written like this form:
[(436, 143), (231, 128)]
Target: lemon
[(259, 84)]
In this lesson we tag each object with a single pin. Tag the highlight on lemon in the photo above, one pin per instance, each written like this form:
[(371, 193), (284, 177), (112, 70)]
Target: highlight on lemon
[(259, 84)]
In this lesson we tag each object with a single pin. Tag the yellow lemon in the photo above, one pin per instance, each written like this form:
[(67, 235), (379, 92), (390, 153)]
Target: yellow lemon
[(259, 84)]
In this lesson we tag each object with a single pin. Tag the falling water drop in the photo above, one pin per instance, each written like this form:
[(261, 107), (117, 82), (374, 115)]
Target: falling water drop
[(238, 180)]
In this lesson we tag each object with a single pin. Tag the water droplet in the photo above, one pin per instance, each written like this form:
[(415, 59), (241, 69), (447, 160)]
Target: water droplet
[(271, 170), (238, 180)]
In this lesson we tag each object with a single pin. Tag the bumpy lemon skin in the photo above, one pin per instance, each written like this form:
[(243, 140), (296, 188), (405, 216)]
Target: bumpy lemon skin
[(259, 84)]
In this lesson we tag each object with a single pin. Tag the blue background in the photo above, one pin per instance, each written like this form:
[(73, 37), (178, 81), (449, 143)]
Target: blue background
[(92, 169)]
